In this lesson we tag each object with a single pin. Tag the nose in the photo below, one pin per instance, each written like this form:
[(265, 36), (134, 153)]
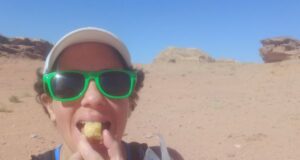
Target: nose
[(93, 97)]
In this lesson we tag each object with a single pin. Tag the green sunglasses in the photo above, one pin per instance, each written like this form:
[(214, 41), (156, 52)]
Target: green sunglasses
[(71, 85)]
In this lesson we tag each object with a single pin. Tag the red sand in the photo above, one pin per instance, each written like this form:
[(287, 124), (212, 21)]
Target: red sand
[(216, 111)]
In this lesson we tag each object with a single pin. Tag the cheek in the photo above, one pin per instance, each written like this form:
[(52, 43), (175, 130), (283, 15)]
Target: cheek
[(63, 117), (122, 107), (120, 116), (121, 111)]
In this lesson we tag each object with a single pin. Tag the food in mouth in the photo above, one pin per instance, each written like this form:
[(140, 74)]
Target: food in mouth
[(92, 130)]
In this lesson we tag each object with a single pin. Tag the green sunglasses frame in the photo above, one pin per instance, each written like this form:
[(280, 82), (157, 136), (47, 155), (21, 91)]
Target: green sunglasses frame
[(88, 76)]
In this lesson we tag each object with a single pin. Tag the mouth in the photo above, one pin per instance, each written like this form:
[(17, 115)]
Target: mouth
[(105, 125)]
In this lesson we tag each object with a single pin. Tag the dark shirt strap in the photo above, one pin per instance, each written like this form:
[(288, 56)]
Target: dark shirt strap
[(49, 155), (137, 150)]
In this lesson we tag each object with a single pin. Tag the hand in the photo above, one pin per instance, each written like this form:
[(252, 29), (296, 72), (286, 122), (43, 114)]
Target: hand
[(114, 147), (86, 152)]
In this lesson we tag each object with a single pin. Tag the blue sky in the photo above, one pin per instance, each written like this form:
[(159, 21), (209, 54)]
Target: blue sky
[(224, 29)]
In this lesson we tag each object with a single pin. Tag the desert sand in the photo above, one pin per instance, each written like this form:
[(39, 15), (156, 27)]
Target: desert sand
[(208, 111)]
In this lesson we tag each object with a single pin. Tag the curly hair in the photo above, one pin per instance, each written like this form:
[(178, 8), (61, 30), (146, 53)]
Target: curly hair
[(39, 88)]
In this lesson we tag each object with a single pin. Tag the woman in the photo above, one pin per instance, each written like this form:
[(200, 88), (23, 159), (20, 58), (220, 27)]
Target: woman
[(88, 78)]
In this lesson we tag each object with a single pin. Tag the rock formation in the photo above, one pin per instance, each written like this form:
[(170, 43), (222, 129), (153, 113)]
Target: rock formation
[(174, 55), (280, 49), (24, 47)]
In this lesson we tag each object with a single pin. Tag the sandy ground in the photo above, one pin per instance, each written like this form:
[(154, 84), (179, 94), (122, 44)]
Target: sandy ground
[(217, 111)]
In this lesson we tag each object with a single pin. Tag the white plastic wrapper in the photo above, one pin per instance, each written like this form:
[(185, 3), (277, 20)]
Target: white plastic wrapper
[(151, 155)]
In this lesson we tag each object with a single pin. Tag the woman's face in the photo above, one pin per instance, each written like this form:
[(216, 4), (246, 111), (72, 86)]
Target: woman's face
[(92, 106)]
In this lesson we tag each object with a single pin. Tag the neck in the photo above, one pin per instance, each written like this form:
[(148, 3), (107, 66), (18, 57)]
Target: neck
[(65, 152)]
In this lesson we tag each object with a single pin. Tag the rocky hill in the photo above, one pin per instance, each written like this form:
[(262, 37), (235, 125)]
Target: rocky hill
[(280, 49), (175, 55), (273, 50), (24, 47)]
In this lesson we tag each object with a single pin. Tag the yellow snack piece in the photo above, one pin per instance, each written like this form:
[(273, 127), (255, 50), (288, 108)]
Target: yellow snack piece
[(92, 130)]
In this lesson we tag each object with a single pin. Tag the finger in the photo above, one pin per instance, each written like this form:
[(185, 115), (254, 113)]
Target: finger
[(108, 140), (87, 152), (76, 156), (114, 147)]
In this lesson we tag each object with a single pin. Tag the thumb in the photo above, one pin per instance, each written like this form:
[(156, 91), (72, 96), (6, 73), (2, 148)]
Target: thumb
[(87, 152), (114, 147)]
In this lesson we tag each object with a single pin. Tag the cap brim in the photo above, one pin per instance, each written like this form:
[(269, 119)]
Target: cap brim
[(88, 34)]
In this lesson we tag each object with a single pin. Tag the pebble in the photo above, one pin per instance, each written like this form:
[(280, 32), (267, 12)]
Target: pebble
[(148, 135), (34, 136), (237, 146)]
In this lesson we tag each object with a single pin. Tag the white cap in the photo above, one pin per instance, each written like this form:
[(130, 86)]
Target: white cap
[(87, 34)]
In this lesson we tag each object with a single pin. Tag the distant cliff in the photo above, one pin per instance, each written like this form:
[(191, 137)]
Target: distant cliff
[(280, 49), (24, 47), (175, 55)]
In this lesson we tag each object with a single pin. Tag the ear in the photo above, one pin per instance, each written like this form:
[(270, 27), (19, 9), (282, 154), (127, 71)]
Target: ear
[(47, 103)]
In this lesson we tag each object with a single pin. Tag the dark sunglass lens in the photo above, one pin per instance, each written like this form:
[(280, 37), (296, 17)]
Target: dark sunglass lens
[(115, 83), (67, 85)]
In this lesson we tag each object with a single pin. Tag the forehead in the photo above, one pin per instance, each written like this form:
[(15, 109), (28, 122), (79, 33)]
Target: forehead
[(89, 56)]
